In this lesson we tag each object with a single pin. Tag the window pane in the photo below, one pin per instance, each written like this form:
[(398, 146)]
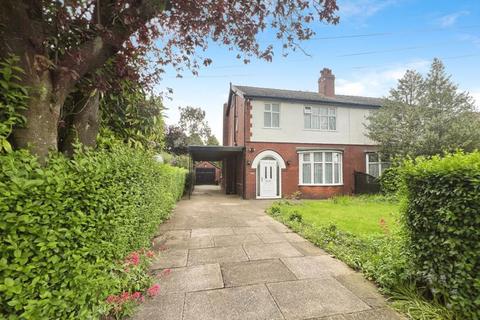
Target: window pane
[(324, 123), (373, 170), (373, 157), (267, 107), (316, 110), (275, 108), (306, 176), (317, 173), (317, 157), (308, 121), (275, 120), (306, 157), (315, 121), (328, 156), (267, 119), (331, 111), (328, 173), (323, 111), (332, 125), (336, 168)]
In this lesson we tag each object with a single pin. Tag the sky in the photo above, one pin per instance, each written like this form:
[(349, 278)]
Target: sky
[(374, 44)]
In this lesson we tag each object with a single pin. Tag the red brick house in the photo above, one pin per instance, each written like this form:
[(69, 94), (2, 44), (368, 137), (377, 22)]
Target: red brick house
[(277, 142)]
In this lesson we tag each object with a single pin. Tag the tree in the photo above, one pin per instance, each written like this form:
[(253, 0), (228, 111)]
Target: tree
[(192, 129), (425, 116), (60, 43)]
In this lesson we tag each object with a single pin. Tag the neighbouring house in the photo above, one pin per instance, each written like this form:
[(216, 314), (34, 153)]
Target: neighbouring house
[(277, 142), (207, 172)]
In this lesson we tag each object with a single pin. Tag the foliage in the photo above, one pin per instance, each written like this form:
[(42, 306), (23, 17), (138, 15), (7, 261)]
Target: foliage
[(13, 98), (133, 116), (442, 219), (425, 116), (193, 129), (391, 180), (67, 226)]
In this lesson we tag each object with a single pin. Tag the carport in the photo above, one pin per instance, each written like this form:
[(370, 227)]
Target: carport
[(233, 169)]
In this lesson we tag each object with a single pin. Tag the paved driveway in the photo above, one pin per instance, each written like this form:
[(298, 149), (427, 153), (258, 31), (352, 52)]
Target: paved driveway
[(229, 260)]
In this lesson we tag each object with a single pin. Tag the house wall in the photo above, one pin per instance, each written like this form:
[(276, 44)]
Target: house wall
[(234, 130), (353, 160), (350, 126)]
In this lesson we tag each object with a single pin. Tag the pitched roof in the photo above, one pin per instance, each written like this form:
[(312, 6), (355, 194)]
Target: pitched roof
[(307, 96)]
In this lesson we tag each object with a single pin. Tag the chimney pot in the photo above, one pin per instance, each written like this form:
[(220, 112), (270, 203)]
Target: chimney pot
[(326, 83)]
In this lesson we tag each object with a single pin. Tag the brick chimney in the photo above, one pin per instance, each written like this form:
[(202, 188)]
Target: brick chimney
[(326, 83)]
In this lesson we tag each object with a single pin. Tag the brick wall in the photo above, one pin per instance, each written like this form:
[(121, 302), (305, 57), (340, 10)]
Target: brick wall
[(353, 159)]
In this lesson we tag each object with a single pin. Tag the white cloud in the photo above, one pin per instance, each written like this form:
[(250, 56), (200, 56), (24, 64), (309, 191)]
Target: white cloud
[(362, 8), (476, 97), (377, 83), (450, 19)]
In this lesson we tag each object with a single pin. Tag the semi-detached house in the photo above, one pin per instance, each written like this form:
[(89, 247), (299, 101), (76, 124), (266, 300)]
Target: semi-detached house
[(277, 142)]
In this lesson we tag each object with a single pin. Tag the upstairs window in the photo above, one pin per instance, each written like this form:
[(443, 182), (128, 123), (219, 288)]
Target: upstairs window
[(271, 115), (321, 168), (320, 118), (376, 164)]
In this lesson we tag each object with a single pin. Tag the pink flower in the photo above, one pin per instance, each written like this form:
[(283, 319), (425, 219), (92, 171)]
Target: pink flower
[(124, 296), (133, 258), (150, 254), (112, 299), (153, 290), (136, 295)]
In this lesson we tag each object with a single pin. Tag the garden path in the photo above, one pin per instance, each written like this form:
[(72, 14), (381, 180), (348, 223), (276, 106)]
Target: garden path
[(229, 260)]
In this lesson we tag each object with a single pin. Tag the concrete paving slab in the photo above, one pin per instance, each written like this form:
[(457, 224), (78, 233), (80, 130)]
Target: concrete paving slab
[(170, 258), (253, 272), (377, 314), (188, 279), (236, 240), (271, 251), (312, 267), (310, 298), (240, 303), (245, 230), (176, 235), (308, 249), (161, 307), (280, 237), (362, 288), (212, 232), (216, 255), (192, 243)]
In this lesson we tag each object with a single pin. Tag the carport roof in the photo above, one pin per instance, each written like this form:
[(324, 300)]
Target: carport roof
[(213, 153)]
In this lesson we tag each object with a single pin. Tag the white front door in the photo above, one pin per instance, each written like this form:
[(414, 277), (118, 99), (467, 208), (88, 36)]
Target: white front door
[(268, 178)]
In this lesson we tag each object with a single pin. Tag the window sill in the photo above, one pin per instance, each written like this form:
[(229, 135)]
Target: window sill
[(321, 185), (275, 128), (319, 130)]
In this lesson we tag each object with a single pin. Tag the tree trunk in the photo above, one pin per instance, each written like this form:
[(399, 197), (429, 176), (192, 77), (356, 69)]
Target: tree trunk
[(83, 124), (39, 134)]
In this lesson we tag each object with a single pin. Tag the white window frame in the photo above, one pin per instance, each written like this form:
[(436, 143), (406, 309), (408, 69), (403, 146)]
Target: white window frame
[(270, 104), (312, 161), (380, 163), (331, 112)]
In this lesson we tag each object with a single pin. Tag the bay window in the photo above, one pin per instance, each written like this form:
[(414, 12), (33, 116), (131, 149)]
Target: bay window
[(320, 168)]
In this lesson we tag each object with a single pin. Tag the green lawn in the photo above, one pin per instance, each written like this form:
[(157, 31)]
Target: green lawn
[(358, 215)]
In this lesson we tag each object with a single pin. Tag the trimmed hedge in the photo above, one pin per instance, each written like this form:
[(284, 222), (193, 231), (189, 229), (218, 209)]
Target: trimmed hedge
[(390, 180), (65, 226), (442, 219)]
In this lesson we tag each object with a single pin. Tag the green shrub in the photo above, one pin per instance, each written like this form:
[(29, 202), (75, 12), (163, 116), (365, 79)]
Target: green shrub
[(442, 218), (65, 226), (390, 180), (13, 99)]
